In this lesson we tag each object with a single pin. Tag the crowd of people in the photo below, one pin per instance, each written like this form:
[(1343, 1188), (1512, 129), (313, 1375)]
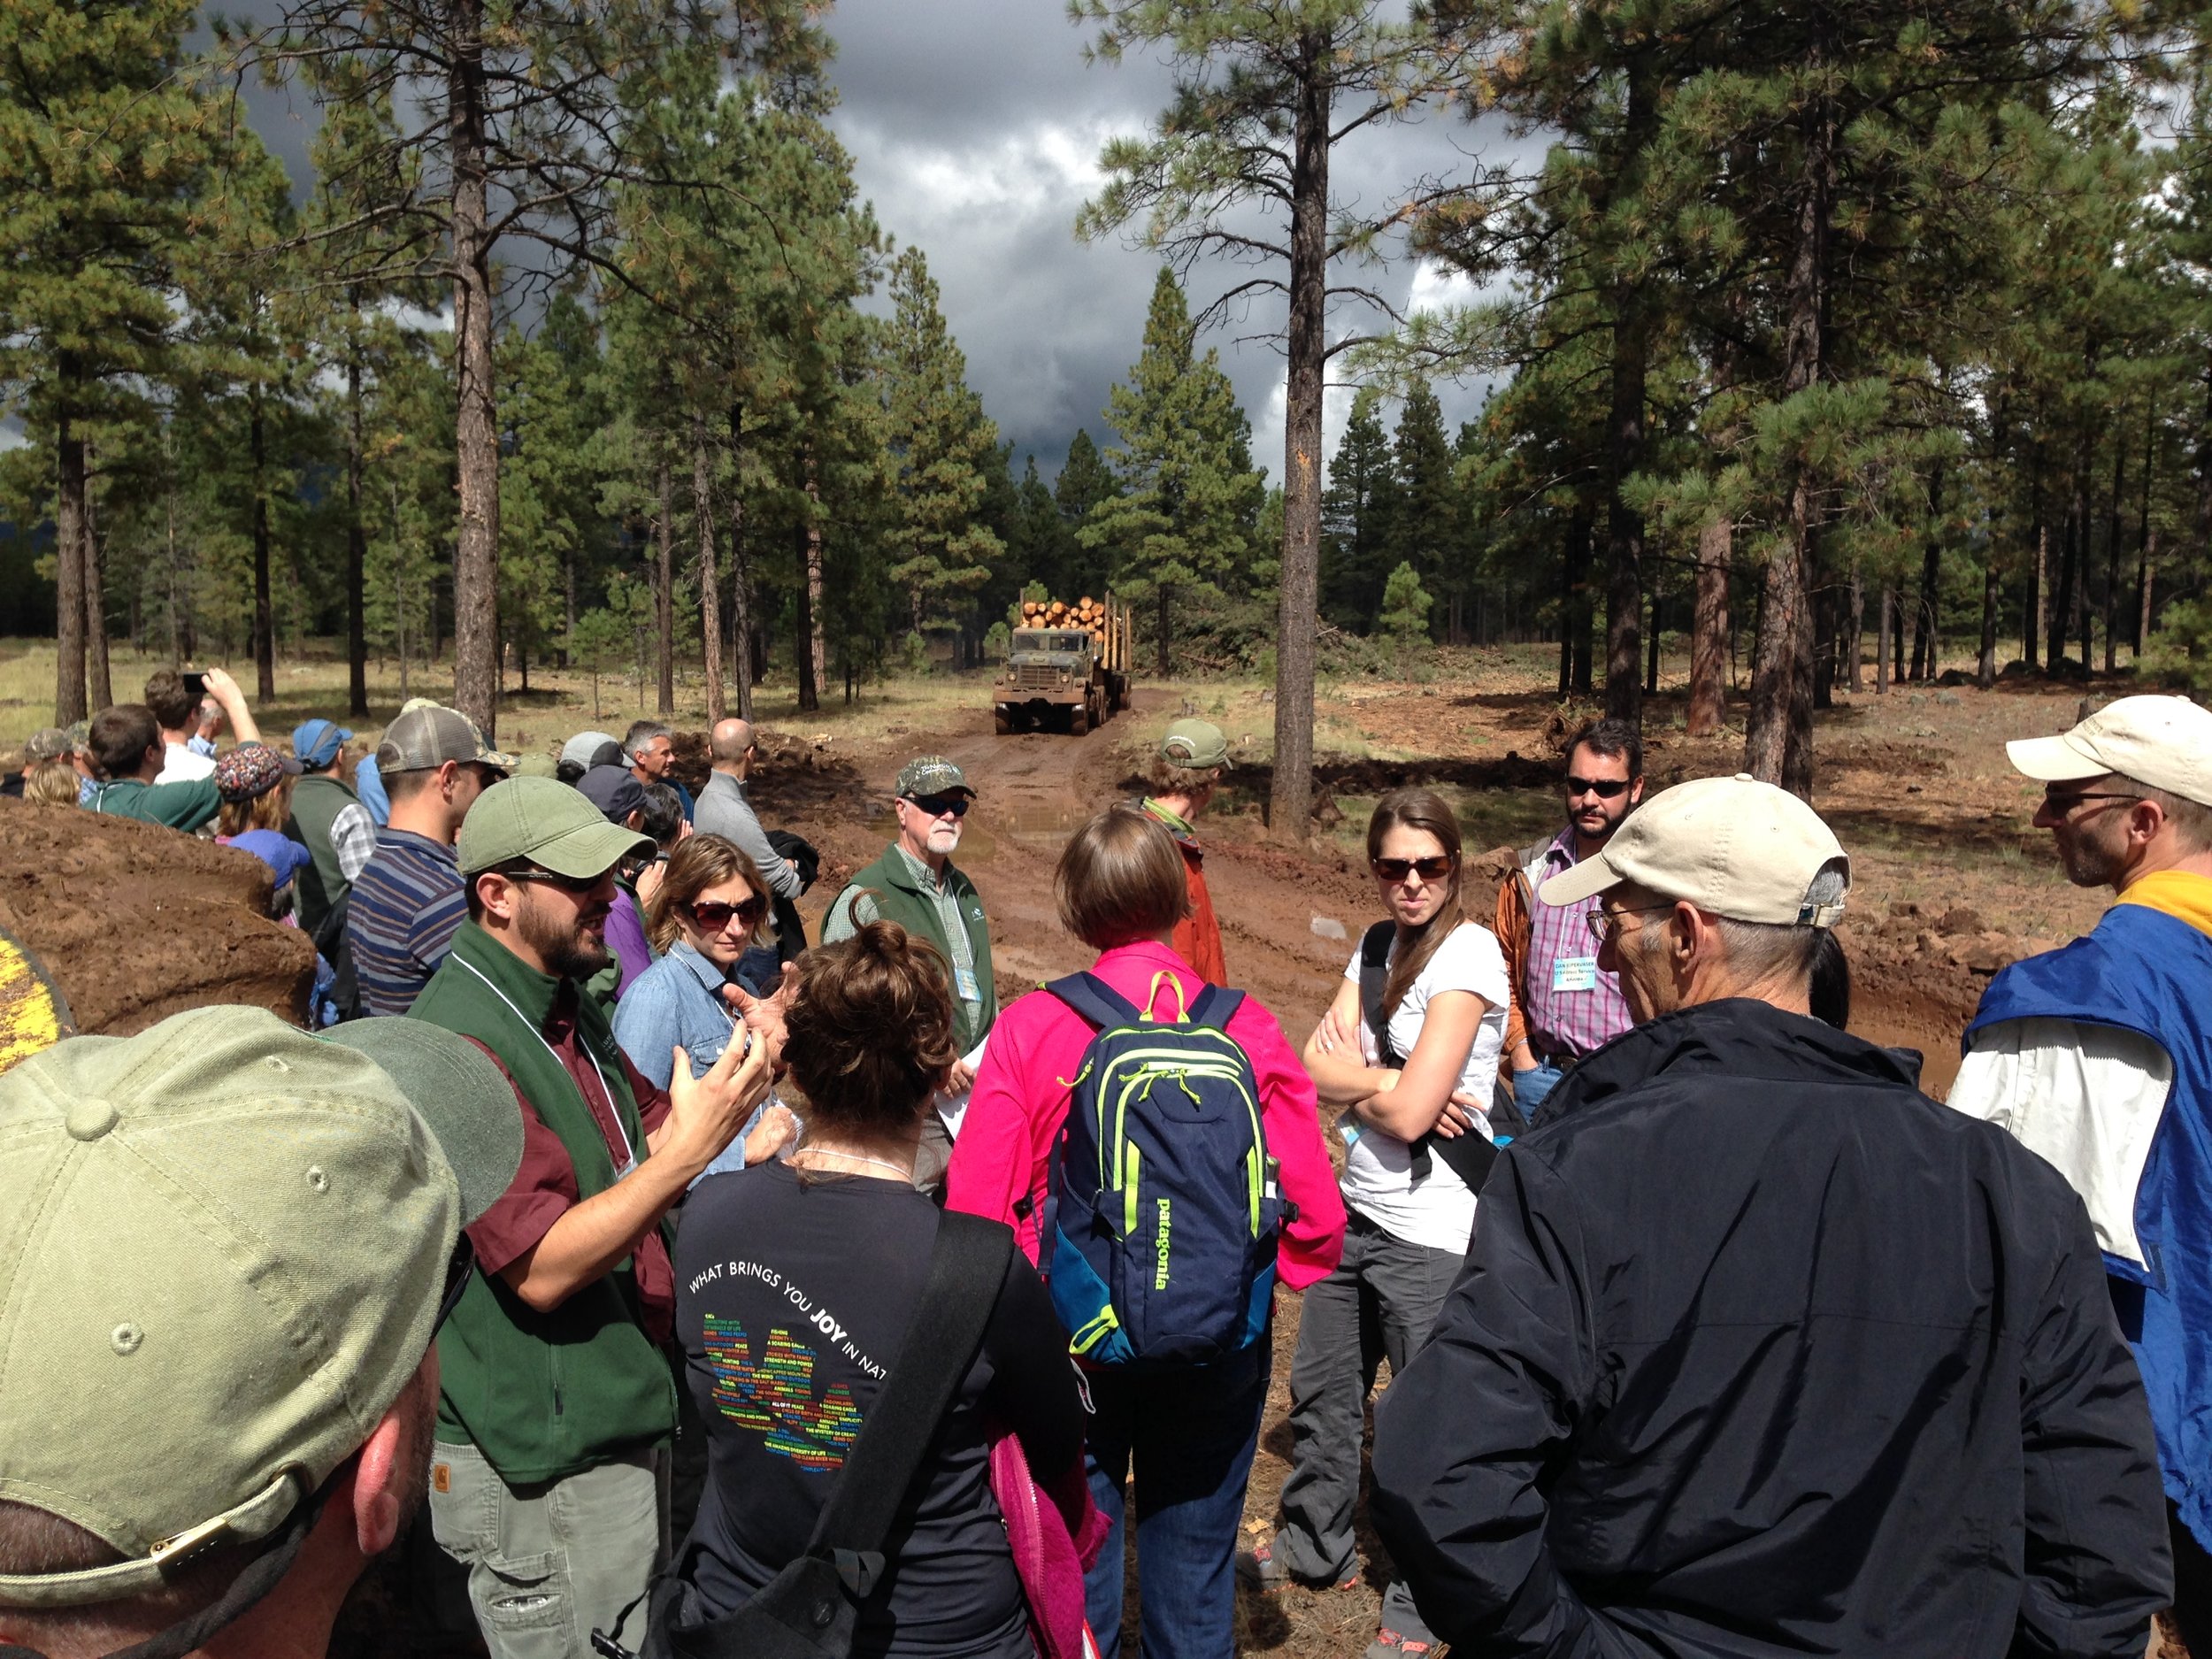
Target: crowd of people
[(707, 1290)]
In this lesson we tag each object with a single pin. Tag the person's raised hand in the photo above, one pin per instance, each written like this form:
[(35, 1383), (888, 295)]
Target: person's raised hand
[(705, 1112), (776, 1130), (225, 690), (764, 1015)]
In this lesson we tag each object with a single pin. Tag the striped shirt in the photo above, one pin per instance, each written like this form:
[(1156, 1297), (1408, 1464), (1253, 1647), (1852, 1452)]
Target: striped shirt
[(407, 902), (1573, 1008)]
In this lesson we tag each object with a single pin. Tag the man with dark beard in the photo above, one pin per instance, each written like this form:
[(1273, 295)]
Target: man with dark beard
[(2099, 1056), (548, 1480)]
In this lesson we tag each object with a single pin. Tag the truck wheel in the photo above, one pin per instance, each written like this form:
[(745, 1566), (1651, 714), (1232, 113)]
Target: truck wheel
[(1080, 719), (1002, 721)]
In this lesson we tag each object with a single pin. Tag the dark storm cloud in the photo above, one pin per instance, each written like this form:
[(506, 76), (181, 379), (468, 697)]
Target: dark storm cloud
[(975, 129)]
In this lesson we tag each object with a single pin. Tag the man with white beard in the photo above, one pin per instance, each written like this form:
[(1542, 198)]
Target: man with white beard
[(917, 884)]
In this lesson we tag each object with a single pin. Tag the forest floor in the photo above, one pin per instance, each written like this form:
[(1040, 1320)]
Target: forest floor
[(1950, 881)]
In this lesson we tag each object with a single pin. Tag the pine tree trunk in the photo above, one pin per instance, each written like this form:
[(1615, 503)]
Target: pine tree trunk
[(2112, 554), (2031, 613), (264, 607), (476, 423), (1854, 649), (69, 698), (741, 658), (1651, 650), (2146, 572), (99, 686), (1290, 792), (815, 637), (2144, 534), (1568, 579), (665, 595), (1923, 644), (1624, 431), (179, 627), (1778, 735), (1709, 630), (2059, 621), (709, 578), (357, 541), (1881, 642), (1985, 664)]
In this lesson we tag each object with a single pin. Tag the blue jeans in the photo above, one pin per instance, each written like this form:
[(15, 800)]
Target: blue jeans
[(1531, 1086), (1191, 1432)]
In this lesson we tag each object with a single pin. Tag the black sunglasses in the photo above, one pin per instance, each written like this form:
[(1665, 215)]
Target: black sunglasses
[(578, 884), (1397, 869), (458, 1271), (1604, 789), (937, 805), (713, 917)]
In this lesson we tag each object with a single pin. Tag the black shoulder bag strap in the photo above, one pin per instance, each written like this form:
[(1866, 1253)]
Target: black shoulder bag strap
[(1471, 1154), (809, 1609)]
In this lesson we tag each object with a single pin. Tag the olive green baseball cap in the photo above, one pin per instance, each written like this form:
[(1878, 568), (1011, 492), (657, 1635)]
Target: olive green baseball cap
[(1197, 744), (547, 822), (223, 1243)]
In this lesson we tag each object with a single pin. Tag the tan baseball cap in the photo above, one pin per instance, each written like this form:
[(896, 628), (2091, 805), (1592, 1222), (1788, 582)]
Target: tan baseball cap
[(1733, 846), (2163, 741), (223, 1243)]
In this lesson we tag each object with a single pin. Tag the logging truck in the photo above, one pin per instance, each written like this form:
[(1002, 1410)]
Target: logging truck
[(1064, 663)]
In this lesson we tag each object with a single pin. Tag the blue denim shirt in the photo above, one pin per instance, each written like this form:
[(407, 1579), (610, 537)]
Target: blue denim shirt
[(677, 1000)]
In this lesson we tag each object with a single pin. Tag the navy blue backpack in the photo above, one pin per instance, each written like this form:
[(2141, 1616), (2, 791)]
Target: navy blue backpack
[(1160, 1241)]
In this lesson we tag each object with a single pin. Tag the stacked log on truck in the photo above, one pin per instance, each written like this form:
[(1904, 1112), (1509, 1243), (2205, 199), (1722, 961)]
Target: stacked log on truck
[(1067, 665)]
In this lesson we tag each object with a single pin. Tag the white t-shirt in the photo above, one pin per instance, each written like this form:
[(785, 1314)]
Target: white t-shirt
[(180, 764), (1440, 1212)]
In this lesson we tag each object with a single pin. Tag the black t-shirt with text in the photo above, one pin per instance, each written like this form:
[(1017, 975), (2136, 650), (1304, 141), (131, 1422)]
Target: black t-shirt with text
[(793, 1291)]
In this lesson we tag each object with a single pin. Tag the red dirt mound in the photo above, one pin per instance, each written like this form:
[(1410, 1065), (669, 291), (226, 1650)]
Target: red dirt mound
[(136, 922)]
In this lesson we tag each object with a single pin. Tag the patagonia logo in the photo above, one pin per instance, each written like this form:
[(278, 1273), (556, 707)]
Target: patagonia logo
[(1159, 1250)]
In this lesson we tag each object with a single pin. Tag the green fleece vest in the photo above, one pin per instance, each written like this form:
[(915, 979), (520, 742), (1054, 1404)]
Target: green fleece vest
[(316, 803), (545, 1395), (899, 898)]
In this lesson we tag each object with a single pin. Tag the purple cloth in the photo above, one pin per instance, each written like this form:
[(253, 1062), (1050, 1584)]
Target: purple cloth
[(279, 851), (625, 937), (1570, 1012)]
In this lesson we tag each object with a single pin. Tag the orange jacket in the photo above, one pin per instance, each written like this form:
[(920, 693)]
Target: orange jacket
[(1197, 937)]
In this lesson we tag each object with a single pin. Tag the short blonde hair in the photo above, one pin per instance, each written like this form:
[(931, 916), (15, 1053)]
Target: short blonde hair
[(52, 781), (1120, 878)]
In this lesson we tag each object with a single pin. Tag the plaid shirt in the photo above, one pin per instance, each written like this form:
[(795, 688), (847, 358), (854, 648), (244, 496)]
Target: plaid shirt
[(1571, 1007)]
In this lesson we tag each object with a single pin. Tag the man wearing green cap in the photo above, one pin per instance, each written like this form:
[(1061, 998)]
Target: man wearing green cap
[(546, 1479), (228, 1247), (1181, 782), (916, 883)]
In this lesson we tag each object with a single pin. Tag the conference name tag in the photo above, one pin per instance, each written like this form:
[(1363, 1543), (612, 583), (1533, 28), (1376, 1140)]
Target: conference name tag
[(965, 979), (1574, 973)]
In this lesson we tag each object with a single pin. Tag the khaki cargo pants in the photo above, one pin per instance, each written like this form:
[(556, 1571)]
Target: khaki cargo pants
[(547, 1563)]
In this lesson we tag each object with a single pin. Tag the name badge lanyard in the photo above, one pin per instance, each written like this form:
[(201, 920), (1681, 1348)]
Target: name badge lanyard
[(629, 1153)]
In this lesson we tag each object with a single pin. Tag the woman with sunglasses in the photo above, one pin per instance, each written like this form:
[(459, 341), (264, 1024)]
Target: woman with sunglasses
[(708, 908), (1408, 1092)]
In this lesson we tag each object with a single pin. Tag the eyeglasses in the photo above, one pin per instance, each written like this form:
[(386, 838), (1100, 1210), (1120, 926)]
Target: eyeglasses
[(1604, 789), (1603, 924), (1398, 869), (577, 885), (713, 917), (458, 1271), (937, 805), (2063, 804)]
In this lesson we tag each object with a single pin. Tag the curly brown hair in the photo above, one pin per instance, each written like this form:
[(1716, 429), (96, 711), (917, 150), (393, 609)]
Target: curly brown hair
[(870, 1031)]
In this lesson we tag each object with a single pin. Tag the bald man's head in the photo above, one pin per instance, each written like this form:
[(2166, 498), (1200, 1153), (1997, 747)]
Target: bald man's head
[(729, 743)]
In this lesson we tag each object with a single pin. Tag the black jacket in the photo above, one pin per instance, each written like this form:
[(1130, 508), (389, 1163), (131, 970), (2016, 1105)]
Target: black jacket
[(1758, 1350)]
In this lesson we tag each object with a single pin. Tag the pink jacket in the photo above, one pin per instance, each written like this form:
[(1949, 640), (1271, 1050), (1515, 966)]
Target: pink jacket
[(1021, 1100)]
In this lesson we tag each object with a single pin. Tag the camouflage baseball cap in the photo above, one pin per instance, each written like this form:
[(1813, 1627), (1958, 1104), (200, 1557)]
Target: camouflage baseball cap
[(49, 743), (225, 1244), (545, 821), (931, 774), (1197, 744)]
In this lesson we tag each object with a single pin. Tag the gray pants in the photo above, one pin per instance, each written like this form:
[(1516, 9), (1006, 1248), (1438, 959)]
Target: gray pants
[(549, 1561), (1378, 1304)]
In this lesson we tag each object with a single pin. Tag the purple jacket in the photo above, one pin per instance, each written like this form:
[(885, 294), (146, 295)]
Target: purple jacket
[(625, 937)]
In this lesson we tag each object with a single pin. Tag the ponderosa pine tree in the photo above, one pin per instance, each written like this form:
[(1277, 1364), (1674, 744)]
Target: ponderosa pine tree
[(1238, 165), (108, 141), (1357, 516), (1189, 499), (938, 443), (1423, 523)]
